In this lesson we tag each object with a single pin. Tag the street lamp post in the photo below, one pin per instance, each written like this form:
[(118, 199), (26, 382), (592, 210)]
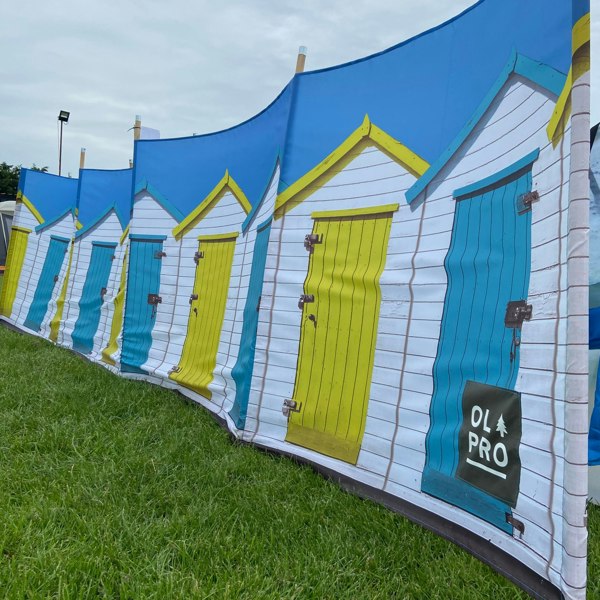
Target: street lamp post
[(63, 117)]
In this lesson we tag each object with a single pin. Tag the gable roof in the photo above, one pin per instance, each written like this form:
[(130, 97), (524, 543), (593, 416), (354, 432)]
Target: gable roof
[(539, 73), (227, 183), (45, 224), (366, 133), (159, 199), (101, 217)]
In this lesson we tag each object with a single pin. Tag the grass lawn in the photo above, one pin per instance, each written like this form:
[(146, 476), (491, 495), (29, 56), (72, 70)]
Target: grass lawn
[(119, 489)]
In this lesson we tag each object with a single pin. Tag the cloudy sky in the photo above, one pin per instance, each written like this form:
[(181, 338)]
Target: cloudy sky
[(187, 66)]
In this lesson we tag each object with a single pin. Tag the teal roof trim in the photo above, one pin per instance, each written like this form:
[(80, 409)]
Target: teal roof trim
[(162, 200), (255, 208), (100, 218), (521, 164), (56, 219), (539, 73)]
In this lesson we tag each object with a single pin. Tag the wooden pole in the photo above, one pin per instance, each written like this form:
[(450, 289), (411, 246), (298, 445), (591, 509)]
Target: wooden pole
[(82, 159), (137, 128), (301, 60)]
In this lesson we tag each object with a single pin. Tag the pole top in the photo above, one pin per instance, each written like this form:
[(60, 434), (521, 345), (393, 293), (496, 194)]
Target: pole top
[(303, 50), (138, 117)]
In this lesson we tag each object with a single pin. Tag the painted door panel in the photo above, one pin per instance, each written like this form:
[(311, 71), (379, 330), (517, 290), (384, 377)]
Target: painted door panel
[(140, 315), (207, 312), (338, 334), (488, 266), (48, 278), (92, 296), (14, 264), (242, 371)]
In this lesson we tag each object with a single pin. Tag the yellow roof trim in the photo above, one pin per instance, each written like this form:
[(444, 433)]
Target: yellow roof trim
[(227, 182), (124, 236), (356, 212), (32, 209), (78, 225), (21, 229), (367, 131), (215, 237), (580, 65)]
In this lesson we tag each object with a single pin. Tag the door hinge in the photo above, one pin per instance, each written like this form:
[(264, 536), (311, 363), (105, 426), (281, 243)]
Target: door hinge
[(305, 299), (103, 293), (290, 406), (113, 257), (311, 239), (198, 256), (517, 311), (154, 299), (174, 369), (55, 278), (258, 304), (159, 254), (193, 297), (524, 201), (516, 523)]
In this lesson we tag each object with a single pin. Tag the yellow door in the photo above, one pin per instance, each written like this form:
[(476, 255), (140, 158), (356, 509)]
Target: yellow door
[(207, 312), (340, 312), (14, 263)]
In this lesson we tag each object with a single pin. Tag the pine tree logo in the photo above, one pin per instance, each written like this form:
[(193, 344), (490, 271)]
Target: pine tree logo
[(501, 427)]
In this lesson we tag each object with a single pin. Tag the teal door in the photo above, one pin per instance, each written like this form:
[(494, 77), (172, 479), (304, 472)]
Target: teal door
[(49, 276), (142, 300), (92, 296), (472, 444), (242, 371)]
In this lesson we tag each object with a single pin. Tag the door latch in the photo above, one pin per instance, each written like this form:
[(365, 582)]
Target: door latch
[(517, 311), (174, 369), (159, 254), (154, 300), (518, 525), (311, 239), (193, 297), (258, 304), (55, 278), (290, 406), (198, 256), (305, 299), (524, 201), (102, 293)]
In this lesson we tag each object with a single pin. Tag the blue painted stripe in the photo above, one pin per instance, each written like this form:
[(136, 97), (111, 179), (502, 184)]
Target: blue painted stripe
[(487, 265), (91, 300), (59, 238), (143, 278), (242, 371), (541, 74), (141, 237), (43, 293), (494, 179)]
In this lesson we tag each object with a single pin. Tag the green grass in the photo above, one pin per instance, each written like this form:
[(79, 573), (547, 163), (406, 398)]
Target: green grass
[(118, 489)]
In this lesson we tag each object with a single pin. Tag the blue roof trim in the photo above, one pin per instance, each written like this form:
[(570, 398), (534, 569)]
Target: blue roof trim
[(255, 208), (95, 222), (166, 204), (539, 73), (524, 162), (60, 238), (53, 221), (144, 236)]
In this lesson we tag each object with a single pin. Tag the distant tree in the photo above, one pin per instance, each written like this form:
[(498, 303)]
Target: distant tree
[(9, 179), (34, 167)]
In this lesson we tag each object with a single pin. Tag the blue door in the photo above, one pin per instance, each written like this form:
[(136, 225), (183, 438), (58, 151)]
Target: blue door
[(475, 370), (141, 303), (49, 276), (92, 296), (242, 371)]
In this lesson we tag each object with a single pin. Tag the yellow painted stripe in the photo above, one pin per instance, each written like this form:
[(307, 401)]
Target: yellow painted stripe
[(117, 320), (355, 212), (226, 183), (60, 303), (366, 132), (124, 236), (338, 335), (32, 209), (580, 65), (17, 248), (78, 225), (218, 236), (207, 313)]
